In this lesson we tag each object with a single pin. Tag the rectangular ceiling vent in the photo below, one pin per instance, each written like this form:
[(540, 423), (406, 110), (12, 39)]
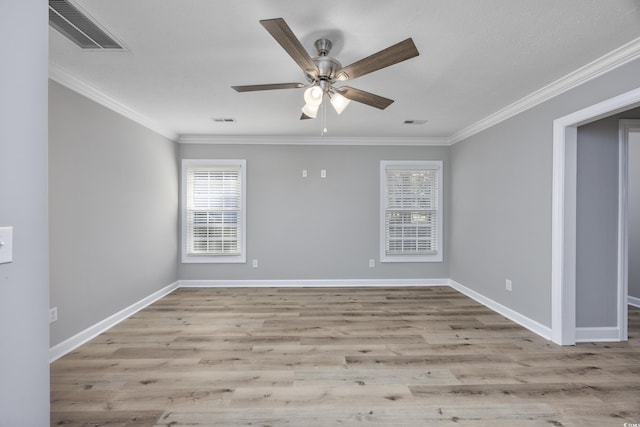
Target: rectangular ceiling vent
[(69, 21), (415, 122), (223, 119)]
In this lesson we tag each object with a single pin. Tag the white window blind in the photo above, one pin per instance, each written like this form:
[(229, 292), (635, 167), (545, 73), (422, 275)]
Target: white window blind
[(213, 214), (411, 211)]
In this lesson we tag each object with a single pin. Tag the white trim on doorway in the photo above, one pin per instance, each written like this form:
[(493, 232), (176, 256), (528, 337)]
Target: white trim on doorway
[(563, 232), (626, 126)]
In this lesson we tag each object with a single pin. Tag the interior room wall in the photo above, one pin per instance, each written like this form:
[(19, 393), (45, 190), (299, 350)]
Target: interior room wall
[(316, 228), (597, 223), (501, 199), (24, 283), (113, 188), (634, 215)]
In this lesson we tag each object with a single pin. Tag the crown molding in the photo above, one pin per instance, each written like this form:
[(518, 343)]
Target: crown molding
[(594, 69), (610, 61), (310, 140), (61, 76)]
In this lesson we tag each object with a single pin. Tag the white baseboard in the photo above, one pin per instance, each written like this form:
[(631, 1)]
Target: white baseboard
[(331, 283), (532, 325), (80, 338), (598, 334), (603, 334), (70, 344), (91, 332)]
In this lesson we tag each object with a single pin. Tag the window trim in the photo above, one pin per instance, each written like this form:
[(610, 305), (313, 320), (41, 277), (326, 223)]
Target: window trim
[(241, 258), (419, 164)]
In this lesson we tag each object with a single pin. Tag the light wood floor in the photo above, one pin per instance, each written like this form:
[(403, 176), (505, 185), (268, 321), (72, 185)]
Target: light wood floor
[(340, 357)]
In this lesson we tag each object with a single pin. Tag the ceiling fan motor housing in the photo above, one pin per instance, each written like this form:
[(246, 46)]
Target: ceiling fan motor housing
[(327, 66)]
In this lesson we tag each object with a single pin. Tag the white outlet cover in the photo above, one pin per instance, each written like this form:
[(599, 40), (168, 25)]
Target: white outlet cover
[(6, 244)]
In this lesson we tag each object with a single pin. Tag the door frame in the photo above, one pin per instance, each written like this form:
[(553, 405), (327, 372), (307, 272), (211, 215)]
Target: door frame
[(563, 220)]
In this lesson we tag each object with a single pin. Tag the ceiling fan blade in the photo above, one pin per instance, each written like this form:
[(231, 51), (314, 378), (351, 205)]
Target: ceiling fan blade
[(392, 55), (280, 31), (365, 97), (251, 88)]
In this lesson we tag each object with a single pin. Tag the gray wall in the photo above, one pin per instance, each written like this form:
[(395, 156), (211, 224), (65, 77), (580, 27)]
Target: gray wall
[(634, 214), (500, 204), (501, 199), (314, 228), (24, 296), (597, 224), (113, 188)]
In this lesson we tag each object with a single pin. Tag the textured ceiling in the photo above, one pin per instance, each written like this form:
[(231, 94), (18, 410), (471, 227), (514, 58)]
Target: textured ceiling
[(476, 57)]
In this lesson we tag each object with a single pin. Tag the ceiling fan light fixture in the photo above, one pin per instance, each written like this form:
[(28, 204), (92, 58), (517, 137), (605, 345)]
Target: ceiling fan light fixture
[(310, 110), (339, 102), (313, 96)]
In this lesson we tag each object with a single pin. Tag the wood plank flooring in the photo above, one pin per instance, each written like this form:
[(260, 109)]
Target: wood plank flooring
[(340, 357)]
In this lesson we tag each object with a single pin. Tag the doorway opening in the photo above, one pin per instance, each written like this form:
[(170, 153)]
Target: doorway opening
[(563, 264), (633, 230)]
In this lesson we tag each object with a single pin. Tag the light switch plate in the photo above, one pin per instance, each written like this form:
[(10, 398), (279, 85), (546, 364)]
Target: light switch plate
[(6, 244)]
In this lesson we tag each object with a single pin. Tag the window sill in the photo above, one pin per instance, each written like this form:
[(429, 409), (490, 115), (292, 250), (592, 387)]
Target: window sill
[(186, 259), (411, 258)]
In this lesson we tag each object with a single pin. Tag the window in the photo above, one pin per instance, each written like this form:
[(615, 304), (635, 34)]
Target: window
[(213, 211), (411, 211)]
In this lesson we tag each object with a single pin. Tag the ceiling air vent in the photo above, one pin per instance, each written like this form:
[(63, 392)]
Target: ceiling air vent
[(414, 122), (77, 27), (223, 119)]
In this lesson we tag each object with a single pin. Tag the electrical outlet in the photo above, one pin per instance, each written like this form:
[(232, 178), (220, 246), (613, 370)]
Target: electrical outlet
[(255, 263), (372, 263), (323, 173), (6, 244), (508, 285), (304, 173), (53, 314)]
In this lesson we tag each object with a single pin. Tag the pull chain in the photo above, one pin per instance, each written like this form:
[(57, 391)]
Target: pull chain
[(324, 118)]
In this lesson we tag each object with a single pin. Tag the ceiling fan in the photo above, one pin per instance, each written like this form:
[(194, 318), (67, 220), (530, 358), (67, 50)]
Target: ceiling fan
[(323, 71)]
